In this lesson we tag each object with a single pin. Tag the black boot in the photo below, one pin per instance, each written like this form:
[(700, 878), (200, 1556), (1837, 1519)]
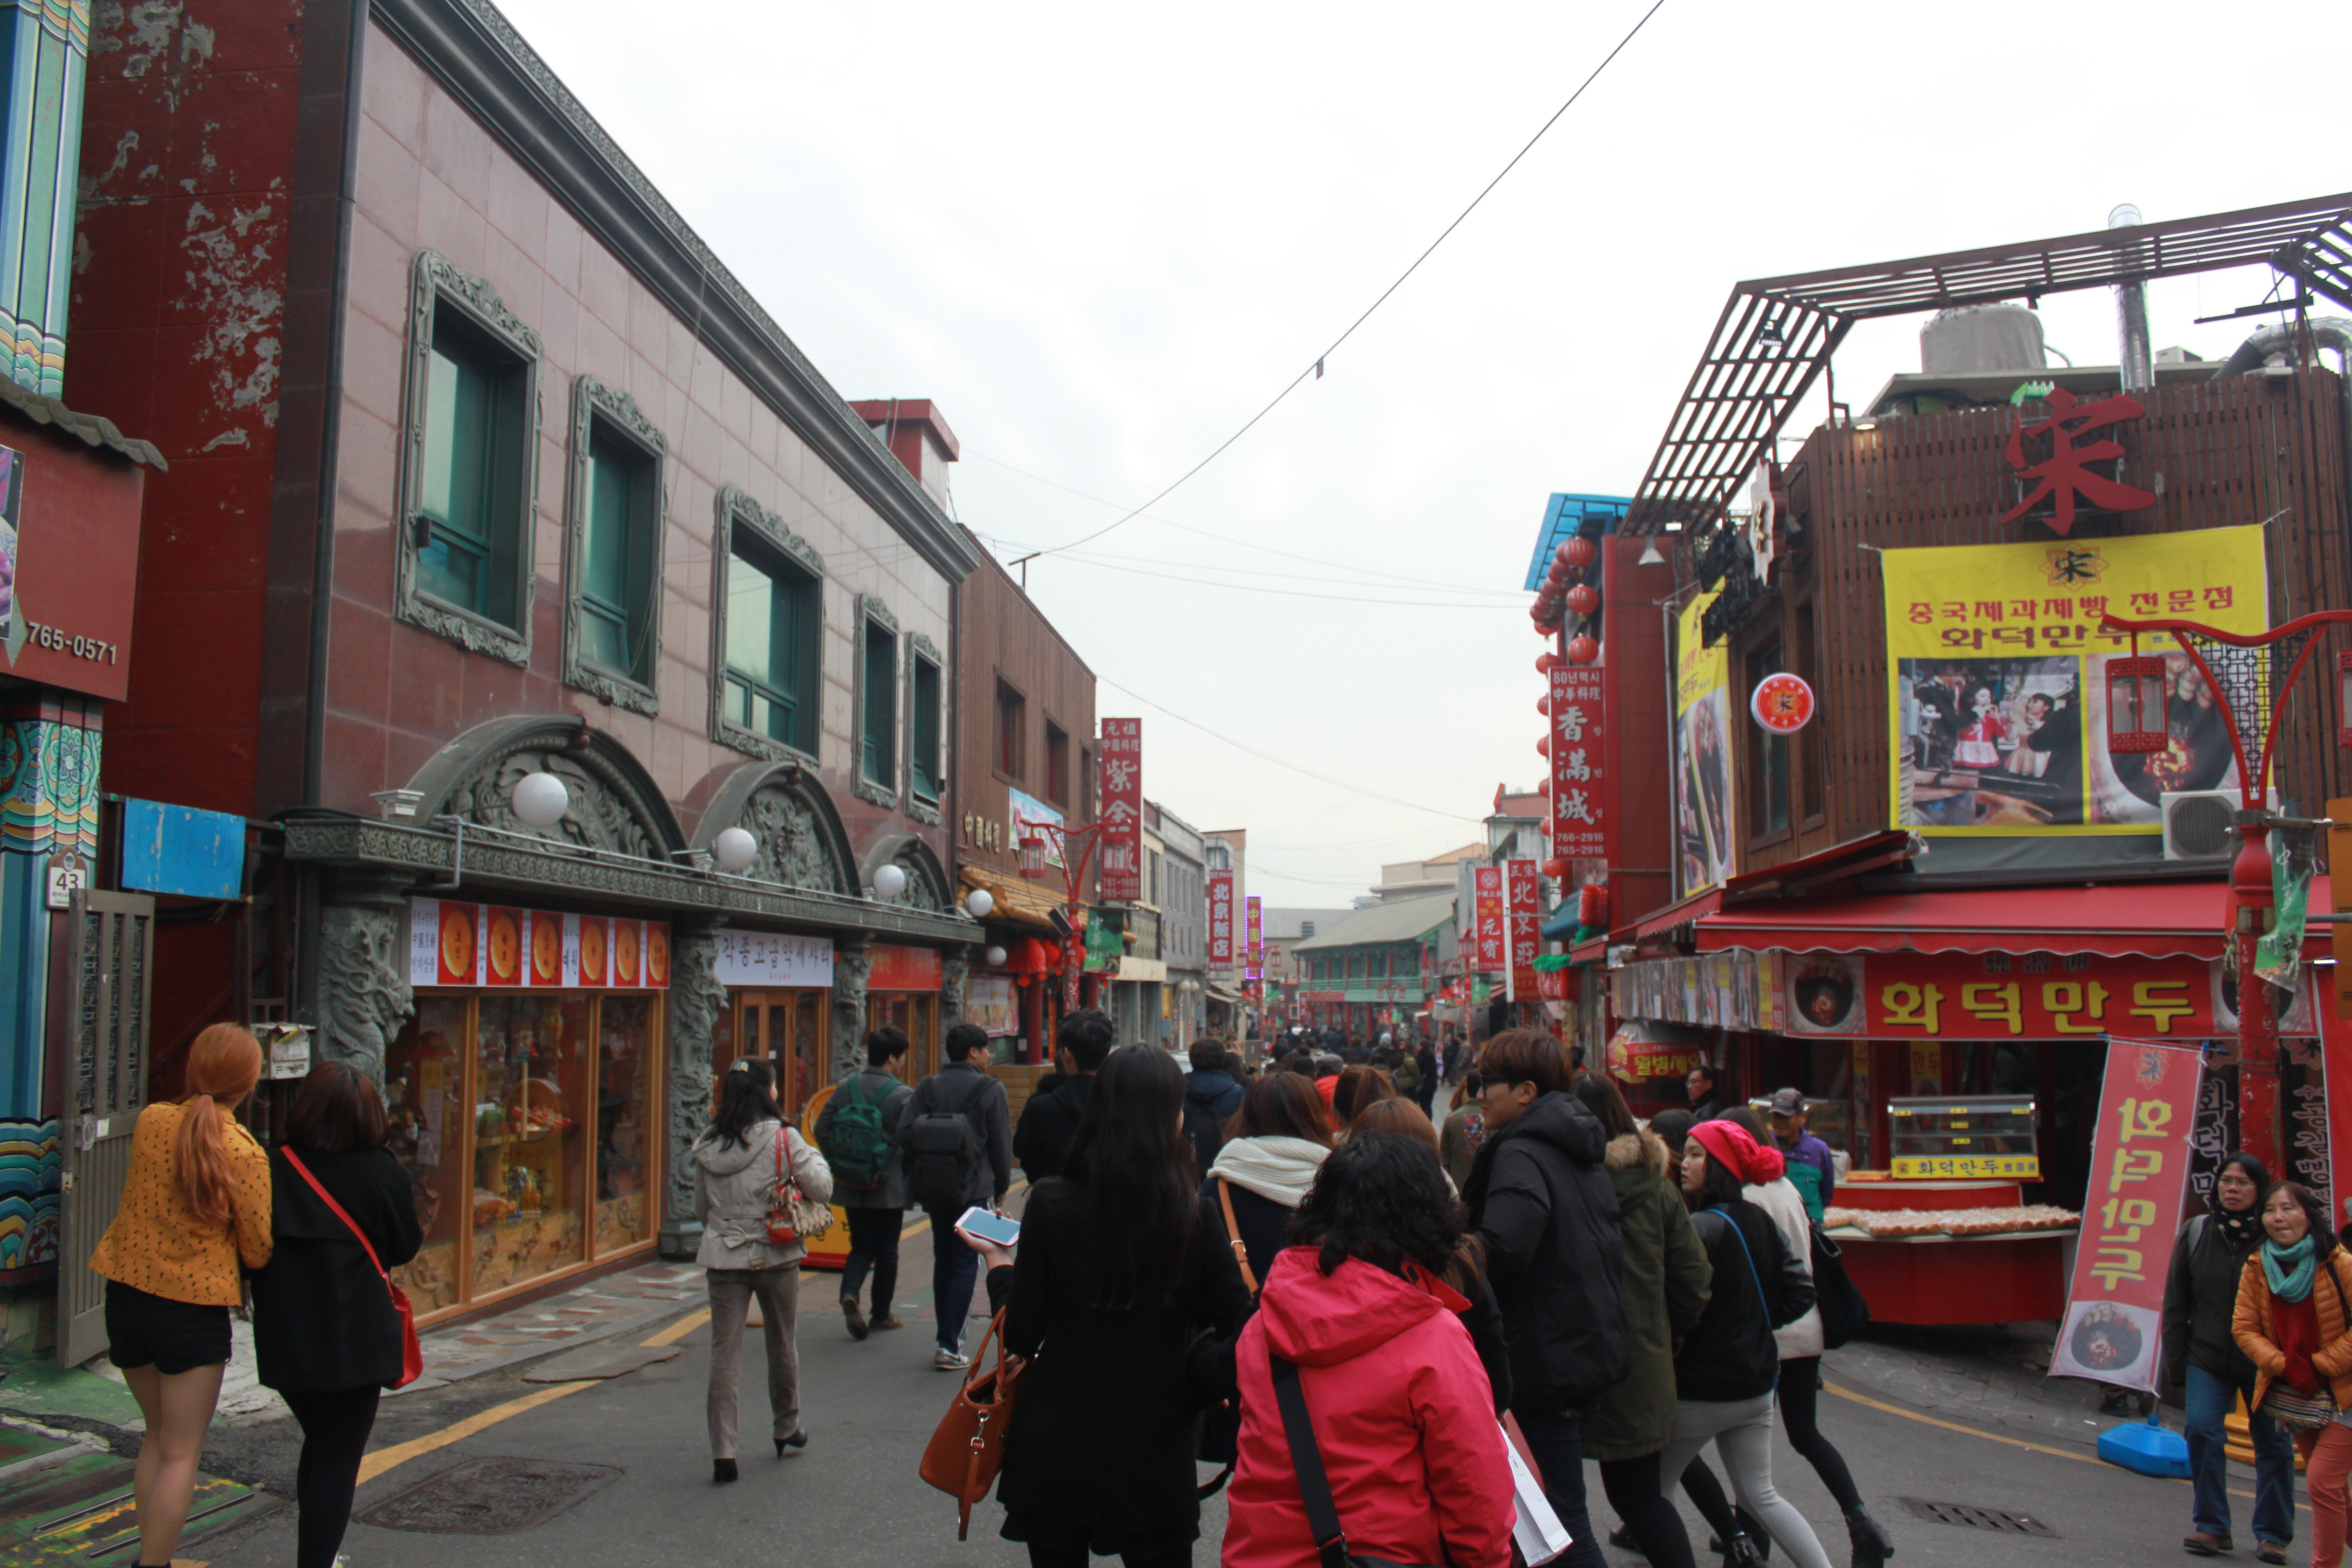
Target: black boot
[(1758, 1536), (1743, 1553), (722, 1471), (1621, 1538), (1872, 1544)]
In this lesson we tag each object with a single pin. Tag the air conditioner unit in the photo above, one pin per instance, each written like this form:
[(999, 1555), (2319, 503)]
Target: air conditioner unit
[(2199, 824)]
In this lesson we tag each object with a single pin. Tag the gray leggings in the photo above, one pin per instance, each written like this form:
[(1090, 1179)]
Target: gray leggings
[(1742, 1432)]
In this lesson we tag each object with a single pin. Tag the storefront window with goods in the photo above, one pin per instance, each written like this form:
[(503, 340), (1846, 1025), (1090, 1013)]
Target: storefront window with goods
[(525, 1094)]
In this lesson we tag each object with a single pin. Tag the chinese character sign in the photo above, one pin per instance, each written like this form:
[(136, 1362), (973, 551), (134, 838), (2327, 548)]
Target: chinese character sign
[(2139, 1169), (1221, 920), (1253, 935), (1579, 764), (1997, 676), (1523, 904), (1122, 809), (2064, 478), (1490, 955)]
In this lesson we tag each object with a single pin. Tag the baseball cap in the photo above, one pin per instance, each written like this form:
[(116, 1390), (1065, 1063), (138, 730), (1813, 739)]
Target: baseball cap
[(1787, 1102)]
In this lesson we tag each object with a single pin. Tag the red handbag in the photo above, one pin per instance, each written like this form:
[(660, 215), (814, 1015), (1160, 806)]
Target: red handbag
[(412, 1354)]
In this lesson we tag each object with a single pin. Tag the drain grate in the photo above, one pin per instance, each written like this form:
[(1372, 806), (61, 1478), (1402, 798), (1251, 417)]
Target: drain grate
[(1993, 1518), (490, 1496)]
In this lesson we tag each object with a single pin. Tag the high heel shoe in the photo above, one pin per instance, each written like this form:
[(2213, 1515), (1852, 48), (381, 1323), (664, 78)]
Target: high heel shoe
[(721, 1471), (1872, 1544), (797, 1441)]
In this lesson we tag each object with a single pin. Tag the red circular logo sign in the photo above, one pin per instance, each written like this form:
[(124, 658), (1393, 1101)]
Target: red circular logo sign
[(1781, 703)]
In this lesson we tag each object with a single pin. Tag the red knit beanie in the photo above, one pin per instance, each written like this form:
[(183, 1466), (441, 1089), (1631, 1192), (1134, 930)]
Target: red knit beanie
[(1740, 1154)]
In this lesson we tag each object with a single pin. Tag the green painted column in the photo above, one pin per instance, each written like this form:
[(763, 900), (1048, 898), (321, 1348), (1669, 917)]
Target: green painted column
[(44, 55)]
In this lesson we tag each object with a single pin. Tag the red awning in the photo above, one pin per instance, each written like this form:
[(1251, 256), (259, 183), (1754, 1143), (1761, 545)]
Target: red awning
[(2154, 919)]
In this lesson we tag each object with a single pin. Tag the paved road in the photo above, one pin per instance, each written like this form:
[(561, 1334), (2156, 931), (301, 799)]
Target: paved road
[(852, 1498)]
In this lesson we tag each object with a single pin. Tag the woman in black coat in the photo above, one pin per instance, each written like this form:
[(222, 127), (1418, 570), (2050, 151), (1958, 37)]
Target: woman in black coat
[(325, 1335), (1118, 1272)]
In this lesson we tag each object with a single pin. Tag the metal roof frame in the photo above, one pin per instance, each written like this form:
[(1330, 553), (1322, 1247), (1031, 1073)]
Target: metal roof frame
[(1775, 335)]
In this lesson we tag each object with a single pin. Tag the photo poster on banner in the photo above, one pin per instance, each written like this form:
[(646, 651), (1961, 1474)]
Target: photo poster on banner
[(1702, 766), (1997, 678), (990, 1001), (2113, 1328)]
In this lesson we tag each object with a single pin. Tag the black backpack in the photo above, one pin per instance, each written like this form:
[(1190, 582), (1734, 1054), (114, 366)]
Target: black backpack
[(943, 1155), (1206, 1131)]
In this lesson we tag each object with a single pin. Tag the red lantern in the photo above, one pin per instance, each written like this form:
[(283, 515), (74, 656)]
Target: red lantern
[(1543, 744), (1583, 649), (1543, 786), (1580, 551), (1583, 599), (1592, 905), (1558, 575), (1555, 868), (1543, 703), (1546, 662)]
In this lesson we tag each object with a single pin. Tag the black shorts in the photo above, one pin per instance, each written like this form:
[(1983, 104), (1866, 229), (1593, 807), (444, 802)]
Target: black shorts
[(170, 1336)]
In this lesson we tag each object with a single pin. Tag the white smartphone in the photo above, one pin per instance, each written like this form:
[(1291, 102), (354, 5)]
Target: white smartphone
[(990, 1227)]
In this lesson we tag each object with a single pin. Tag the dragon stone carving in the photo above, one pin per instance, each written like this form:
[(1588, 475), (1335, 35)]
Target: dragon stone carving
[(605, 813), (853, 966), (364, 997), (697, 1002), (792, 842)]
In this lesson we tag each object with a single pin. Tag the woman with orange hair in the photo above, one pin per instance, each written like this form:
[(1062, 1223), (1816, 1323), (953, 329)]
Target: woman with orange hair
[(195, 1201)]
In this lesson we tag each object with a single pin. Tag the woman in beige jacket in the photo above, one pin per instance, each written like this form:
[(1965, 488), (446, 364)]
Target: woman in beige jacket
[(745, 1163)]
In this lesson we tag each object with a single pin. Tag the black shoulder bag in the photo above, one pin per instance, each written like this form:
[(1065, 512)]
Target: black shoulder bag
[(1314, 1488), (1845, 1311)]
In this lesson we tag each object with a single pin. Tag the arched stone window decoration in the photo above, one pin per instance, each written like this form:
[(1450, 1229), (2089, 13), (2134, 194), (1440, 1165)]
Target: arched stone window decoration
[(802, 843), (928, 888), (615, 803)]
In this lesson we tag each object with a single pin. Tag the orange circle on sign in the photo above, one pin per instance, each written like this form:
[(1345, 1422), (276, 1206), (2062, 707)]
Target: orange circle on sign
[(457, 941), (546, 950), (624, 952), (592, 952), (505, 945), (656, 955)]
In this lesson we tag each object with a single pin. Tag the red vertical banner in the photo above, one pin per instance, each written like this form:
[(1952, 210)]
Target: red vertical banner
[(1579, 764), (1074, 966), (2139, 1171), (1523, 905), (1122, 809), (1487, 907), (1253, 935), (1221, 920)]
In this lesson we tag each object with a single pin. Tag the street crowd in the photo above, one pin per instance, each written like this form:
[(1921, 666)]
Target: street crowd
[(1296, 1273)]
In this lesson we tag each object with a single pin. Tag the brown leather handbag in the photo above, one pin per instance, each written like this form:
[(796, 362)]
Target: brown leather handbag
[(967, 1450)]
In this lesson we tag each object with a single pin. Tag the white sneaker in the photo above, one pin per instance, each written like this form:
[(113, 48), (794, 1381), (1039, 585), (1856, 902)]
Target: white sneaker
[(946, 1360)]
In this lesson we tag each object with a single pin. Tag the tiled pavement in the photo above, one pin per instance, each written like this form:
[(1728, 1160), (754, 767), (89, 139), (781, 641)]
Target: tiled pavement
[(612, 1305)]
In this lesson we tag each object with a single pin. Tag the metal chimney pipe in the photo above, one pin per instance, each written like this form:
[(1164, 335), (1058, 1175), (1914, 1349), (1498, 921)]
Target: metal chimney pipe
[(2137, 360)]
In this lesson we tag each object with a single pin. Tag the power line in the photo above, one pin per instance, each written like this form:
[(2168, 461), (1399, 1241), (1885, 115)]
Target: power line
[(1284, 593), (1277, 762), (1515, 596), (1316, 369)]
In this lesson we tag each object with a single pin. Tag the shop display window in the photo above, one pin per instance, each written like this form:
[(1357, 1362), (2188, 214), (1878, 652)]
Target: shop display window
[(626, 1131), (530, 1081), (424, 1100)]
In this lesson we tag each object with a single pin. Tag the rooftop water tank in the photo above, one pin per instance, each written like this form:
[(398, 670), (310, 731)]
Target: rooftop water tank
[(1982, 338)]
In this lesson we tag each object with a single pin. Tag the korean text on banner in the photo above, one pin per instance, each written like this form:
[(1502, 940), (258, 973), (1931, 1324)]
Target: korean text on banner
[(1523, 904), (1122, 809), (1488, 904), (1221, 920), (2139, 1169), (1701, 776), (1579, 764), (1998, 682)]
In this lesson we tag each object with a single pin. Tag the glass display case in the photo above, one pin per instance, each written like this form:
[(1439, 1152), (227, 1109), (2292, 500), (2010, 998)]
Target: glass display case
[(1969, 1137)]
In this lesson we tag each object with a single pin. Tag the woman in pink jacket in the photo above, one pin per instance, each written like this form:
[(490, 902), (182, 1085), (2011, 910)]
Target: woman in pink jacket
[(1356, 1318)]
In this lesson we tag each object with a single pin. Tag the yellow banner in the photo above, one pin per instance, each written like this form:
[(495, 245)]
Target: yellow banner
[(1702, 767), (1997, 678)]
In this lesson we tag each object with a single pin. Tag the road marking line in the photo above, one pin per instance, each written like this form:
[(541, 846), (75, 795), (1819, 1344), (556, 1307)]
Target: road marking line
[(679, 1330), (384, 1459)]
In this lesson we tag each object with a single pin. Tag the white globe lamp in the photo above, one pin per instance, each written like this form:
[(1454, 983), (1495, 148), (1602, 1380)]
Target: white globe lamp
[(995, 957), (890, 882), (539, 800), (979, 901), (734, 849)]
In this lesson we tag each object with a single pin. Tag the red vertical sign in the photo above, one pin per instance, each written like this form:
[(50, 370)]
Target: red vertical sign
[(1525, 904), (1579, 764), (1122, 809), (2139, 1170), (1254, 938), (1488, 885), (1221, 920)]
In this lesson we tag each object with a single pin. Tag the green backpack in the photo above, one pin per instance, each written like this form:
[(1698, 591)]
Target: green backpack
[(855, 1144)]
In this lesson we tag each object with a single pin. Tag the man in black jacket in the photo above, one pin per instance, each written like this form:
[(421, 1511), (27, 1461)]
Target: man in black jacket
[(1543, 1204), (1049, 1120), (949, 1168)]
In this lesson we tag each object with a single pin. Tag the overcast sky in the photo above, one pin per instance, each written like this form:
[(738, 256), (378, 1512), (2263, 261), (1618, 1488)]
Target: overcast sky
[(1102, 238)]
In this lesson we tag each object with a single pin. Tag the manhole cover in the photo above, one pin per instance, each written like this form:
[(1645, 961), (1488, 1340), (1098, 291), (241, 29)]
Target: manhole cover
[(490, 1496), (1994, 1518)]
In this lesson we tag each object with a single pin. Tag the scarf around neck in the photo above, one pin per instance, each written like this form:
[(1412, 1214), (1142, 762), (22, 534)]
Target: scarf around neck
[(2289, 1269), (1276, 1168), (2238, 1230)]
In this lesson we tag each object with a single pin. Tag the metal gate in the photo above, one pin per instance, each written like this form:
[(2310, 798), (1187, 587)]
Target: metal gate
[(111, 952)]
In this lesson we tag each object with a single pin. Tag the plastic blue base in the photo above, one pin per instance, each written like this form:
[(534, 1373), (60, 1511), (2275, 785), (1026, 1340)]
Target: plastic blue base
[(2145, 1446)]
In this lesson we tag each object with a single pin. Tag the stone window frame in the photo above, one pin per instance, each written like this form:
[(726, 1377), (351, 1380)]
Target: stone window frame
[(921, 807), (873, 612), (593, 401), (736, 508), (436, 283)]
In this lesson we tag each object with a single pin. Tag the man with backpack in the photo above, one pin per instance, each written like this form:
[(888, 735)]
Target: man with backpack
[(956, 1137), (858, 1132), (1050, 1119), (1211, 1095)]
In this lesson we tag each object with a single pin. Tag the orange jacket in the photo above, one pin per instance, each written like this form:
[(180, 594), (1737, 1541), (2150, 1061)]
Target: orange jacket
[(158, 1246), (2250, 1326)]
